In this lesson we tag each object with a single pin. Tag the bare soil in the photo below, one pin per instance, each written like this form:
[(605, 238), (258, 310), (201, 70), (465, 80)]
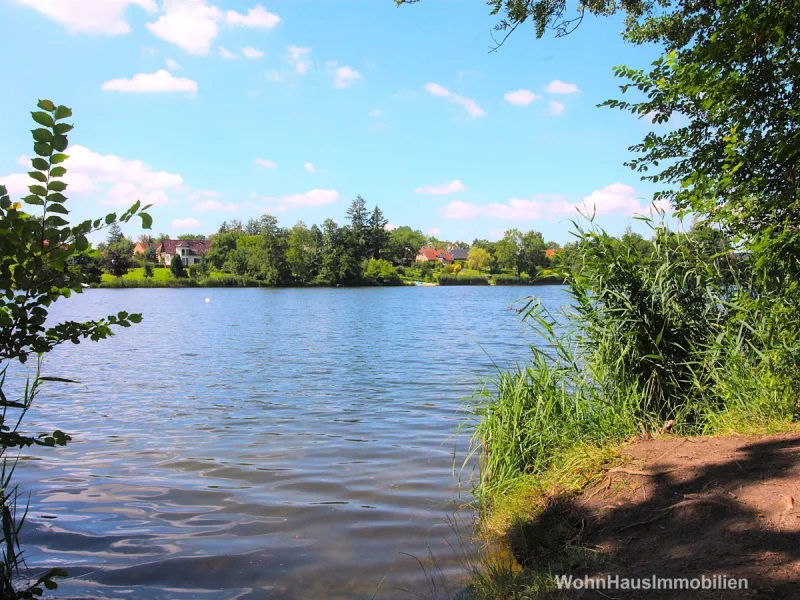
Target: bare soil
[(688, 507)]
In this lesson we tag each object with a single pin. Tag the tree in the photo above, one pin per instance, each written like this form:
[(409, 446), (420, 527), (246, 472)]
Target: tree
[(508, 250), (191, 236), (161, 237), (146, 239), (148, 268), (298, 252), (404, 244), (117, 259), (533, 255), (176, 266), (252, 227), (381, 272), (35, 251), (377, 236), (358, 216), (115, 235), (478, 259)]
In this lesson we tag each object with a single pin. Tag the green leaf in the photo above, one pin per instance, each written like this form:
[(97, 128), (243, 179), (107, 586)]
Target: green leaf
[(46, 105), (42, 135), (38, 176), (147, 220), (81, 243), (62, 128), (38, 190), (62, 112), (58, 158), (58, 172), (42, 118), (55, 221), (58, 379), (33, 200), (40, 163), (135, 318), (60, 143), (50, 584), (110, 218), (42, 149), (56, 186), (56, 197), (57, 208)]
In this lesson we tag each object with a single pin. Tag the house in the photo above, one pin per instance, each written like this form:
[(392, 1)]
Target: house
[(432, 254), (459, 254), (142, 247), (192, 252)]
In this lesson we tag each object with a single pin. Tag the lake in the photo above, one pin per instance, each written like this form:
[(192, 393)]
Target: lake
[(284, 444)]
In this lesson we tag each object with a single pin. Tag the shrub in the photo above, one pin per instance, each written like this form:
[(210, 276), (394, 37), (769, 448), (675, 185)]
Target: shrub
[(445, 279), (381, 272), (176, 266), (148, 269), (193, 272)]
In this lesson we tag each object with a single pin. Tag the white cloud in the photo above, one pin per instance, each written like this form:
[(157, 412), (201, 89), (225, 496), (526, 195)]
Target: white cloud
[(521, 97), (376, 113), (555, 108), (343, 76), (614, 199), (467, 104), (105, 17), (160, 81), (434, 231), (560, 87), (227, 54), (199, 194), (310, 167), (441, 190), (269, 164), (299, 58), (189, 24), (172, 65), (250, 52), (257, 17), (116, 181), (311, 198), (273, 76), (185, 223), (148, 51), (390, 227)]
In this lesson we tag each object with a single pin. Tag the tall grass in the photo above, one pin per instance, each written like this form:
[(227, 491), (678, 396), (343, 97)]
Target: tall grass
[(689, 334)]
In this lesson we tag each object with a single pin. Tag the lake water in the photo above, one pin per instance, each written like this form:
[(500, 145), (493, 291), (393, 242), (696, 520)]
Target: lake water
[(291, 444)]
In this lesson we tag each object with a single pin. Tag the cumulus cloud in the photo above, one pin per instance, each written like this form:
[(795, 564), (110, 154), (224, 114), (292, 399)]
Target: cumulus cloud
[(106, 17), (250, 52), (310, 198), (299, 58), (614, 199), (185, 223), (390, 227), (468, 104), (160, 81), (257, 17), (555, 107), (441, 190), (172, 65), (226, 54), (267, 164), (521, 97), (114, 180), (310, 167), (343, 76), (560, 87), (434, 231), (189, 24)]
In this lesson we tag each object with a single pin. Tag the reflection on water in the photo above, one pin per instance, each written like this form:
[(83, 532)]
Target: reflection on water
[(267, 444)]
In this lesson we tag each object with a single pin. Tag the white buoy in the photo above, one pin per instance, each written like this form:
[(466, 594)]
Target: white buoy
[(208, 300)]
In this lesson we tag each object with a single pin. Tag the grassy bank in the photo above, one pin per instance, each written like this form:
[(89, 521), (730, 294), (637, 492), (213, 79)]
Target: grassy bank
[(688, 342)]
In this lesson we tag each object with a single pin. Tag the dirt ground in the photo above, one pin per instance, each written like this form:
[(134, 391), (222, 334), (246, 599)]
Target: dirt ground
[(688, 507)]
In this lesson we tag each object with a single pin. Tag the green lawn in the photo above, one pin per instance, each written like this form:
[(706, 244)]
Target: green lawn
[(138, 273)]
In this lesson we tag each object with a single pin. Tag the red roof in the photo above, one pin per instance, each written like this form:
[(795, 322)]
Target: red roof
[(434, 254), (199, 247)]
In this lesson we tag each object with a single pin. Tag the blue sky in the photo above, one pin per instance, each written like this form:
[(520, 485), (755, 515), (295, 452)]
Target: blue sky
[(230, 109)]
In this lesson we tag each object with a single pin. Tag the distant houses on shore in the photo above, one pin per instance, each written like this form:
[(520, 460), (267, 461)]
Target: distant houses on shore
[(191, 252), (446, 257)]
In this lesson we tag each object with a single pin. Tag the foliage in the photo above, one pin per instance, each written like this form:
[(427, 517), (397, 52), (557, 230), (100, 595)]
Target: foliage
[(176, 266), (479, 259), (381, 272), (148, 269), (117, 259), (42, 259), (403, 245), (191, 236), (445, 279)]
